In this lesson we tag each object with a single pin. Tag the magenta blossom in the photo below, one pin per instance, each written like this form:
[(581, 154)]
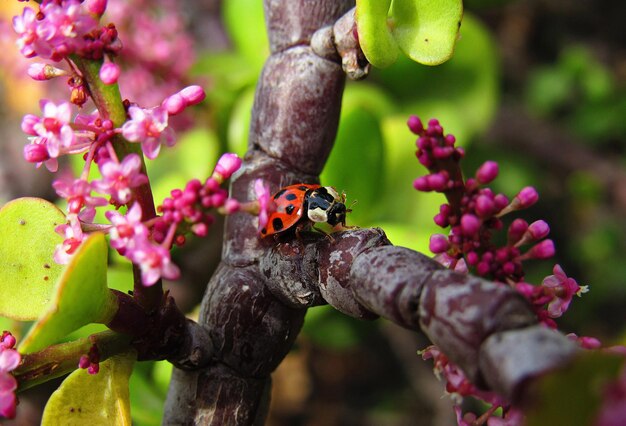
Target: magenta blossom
[(564, 289), (154, 261), (118, 179), (127, 231), (150, 128), (77, 193), (228, 164), (9, 360), (74, 236)]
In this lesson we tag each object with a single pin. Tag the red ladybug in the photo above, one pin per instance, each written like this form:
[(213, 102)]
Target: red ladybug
[(303, 204)]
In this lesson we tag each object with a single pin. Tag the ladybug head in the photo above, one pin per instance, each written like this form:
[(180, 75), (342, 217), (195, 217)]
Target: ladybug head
[(325, 204), (336, 214)]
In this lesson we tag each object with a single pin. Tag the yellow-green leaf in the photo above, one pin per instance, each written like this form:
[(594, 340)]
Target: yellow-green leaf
[(81, 297), (427, 30), (27, 243), (375, 37), (94, 400)]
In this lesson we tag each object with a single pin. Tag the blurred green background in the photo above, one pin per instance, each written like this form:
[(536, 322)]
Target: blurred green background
[(539, 86)]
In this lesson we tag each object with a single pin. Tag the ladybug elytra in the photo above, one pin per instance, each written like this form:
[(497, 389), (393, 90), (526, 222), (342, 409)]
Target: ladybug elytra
[(302, 204)]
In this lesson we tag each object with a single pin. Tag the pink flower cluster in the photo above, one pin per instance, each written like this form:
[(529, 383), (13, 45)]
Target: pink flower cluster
[(158, 51), (90, 361), (474, 212), (474, 215), (552, 298), (458, 386), (188, 209), (9, 360), (56, 31), (52, 135)]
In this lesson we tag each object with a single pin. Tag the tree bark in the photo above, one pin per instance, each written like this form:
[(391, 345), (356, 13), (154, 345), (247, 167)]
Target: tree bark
[(294, 123)]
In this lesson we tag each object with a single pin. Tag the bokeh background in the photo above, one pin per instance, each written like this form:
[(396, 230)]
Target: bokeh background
[(538, 85)]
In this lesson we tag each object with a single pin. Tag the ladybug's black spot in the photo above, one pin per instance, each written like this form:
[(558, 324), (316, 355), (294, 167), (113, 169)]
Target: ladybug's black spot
[(290, 208), (277, 223), (279, 193), (291, 197), (303, 188), (264, 231)]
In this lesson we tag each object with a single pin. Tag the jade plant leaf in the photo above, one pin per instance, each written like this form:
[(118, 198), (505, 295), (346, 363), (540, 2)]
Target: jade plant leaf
[(375, 37), (27, 270), (426, 30), (81, 297), (98, 399)]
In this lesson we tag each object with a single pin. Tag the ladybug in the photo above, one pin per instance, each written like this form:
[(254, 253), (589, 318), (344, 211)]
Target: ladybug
[(302, 204)]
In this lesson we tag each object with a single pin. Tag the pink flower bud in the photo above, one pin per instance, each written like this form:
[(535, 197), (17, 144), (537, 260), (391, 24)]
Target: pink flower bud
[(472, 258), (437, 181), (96, 7), (174, 104), (84, 362), (527, 197), (517, 230), (470, 224), (487, 172), (231, 206), (109, 73), (438, 243), (36, 153), (28, 124), (8, 340), (485, 206), (36, 71), (421, 184), (542, 250), (539, 230), (200, 229), (415, 125), (227, 165), (193, 94)]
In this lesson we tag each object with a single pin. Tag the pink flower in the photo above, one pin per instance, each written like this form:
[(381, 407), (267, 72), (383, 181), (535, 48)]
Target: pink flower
[(109, 73), (77, 192), (53, 129), (564, 289), (189, 96), (228, 164), (118, 179), (150, 128), (41, 72), (9, 360), (26, 28), (263, 196), (154, 262), (127, 231), (74, 236)]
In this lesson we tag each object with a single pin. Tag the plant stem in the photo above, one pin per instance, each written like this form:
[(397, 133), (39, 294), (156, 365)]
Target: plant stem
[(61, 359), (108, 100)]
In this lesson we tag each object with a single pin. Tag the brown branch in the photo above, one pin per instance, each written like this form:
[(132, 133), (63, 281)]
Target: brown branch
[(294, 123)]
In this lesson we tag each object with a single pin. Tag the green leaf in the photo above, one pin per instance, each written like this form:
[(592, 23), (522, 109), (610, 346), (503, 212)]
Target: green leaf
[(93, 399), (375, 37), (427, 30), (574, 395), (81, 297), (146, 399), (462, 93), (360, 140), (27, 269)]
